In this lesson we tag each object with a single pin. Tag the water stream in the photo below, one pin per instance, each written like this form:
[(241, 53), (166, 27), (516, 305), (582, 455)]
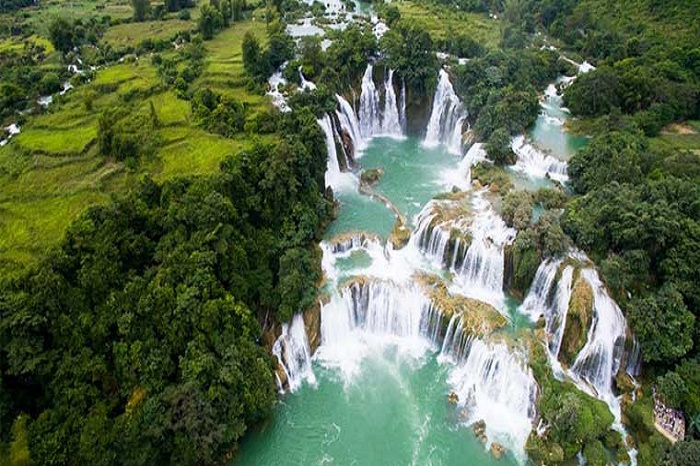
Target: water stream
[(400, 374)]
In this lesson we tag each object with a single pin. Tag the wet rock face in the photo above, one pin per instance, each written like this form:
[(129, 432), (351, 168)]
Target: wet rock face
[(400, 235), (578, 321), (312, 324)]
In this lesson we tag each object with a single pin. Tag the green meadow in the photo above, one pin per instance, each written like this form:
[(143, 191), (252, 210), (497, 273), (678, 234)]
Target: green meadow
[(53, 171)]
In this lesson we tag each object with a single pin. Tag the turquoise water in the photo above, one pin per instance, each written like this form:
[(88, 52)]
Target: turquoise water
[(395, 413), (412, 176), (552, 138)]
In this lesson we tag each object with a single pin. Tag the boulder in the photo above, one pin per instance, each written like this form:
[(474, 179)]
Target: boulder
[(497, 450)]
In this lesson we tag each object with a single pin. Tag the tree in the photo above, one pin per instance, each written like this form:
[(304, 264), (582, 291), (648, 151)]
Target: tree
[(312, 56), (672, 389), (498, 147), (683, 454), (409, 50), (210, 21), (254, 62), (50, 83), (594, 93), (141, 9), (626, 152), (62, 34), (663, 324)]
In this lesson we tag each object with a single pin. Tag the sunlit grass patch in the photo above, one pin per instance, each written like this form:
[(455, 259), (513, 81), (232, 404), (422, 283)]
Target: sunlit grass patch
[(442, 21)]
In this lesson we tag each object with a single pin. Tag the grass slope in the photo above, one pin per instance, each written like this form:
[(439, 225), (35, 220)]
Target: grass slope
[(52, 171), (441, 22)]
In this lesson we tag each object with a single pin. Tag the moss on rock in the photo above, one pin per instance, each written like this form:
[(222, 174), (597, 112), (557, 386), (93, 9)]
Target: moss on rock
[(577, 322)]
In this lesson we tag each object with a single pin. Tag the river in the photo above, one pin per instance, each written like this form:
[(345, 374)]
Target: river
[(421, 359)]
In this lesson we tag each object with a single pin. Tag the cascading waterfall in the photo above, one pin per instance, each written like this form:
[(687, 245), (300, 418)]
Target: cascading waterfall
[(481, 273), (402, 107), (305, 84), (599, 360), (373, 120), (496, 386), (446, 117), (370, 314), (538, 297), (349, 122), (391, 124), (370, 120), (555, 316), (335, 178), (432, 235), (294, 354), (536, 163), (461, 176)]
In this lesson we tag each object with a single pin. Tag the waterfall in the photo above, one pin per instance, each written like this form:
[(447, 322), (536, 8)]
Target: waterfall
[(294, 354), (496, 386), (538, 298), (402, 107), (433, 234), (349, 122), (446, 117), (481, 273), (279, 100), (376, 122), (306, 85), (368, 315), (391, 124), (555, 315), (599, 360), (334, 177), (536, 163), (461, 176), (369, 106)]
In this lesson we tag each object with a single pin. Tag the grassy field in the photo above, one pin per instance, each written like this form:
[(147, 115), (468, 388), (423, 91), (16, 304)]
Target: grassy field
[(52, 171), (685, 137), (135, 33), (224, 71), (441, 21), (40, 16)]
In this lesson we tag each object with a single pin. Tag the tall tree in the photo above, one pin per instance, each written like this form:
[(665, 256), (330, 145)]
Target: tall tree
[(141, 9)]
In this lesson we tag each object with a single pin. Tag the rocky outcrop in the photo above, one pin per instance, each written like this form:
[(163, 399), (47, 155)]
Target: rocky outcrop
[(400, 234), (478, 318), (371, 176), (312, 324), (578, 321)]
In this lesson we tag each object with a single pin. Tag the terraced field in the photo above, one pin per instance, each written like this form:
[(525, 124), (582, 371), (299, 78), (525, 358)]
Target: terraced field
[(52, 171)]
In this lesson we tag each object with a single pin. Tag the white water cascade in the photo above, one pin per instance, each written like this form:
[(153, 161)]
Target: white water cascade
[(538, 297), (335, 178), (432, 235), (391, 120), (461, 176), (482, 271), (446, 117), (370, 119), (402, 107), (599, 360), (349, 122), (294, 354), (384, 120), (535, 163), (366, 316), (496, 386), (306, 85)]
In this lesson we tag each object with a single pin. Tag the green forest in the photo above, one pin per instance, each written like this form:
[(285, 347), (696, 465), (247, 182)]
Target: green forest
[(161, 217)]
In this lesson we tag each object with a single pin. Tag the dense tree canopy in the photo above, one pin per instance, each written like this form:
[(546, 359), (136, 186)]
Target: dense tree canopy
[(135, 342)]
